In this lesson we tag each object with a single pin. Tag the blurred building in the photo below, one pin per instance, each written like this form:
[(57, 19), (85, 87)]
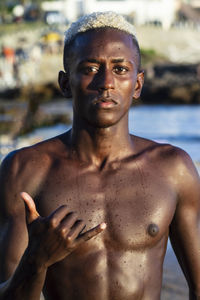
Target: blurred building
[(189, 10), (140, 11), (193, 3)]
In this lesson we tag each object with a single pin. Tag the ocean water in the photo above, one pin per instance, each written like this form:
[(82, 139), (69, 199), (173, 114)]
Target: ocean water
[(178, 125)]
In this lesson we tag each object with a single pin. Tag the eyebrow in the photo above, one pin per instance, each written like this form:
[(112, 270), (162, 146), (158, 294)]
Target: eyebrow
[(118, 60), (114, 60)]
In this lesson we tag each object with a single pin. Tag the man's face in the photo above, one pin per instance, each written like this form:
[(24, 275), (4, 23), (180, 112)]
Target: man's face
[(103, 76)]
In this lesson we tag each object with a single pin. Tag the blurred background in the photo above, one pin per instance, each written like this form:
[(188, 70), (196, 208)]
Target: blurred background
[(32, 107)]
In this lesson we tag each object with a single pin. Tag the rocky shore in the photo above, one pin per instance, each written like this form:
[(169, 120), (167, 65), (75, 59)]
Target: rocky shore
[(172, 84)]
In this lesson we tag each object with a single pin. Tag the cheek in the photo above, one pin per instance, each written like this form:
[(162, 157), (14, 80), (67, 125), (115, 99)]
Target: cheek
[(127, 86), (80, 84)]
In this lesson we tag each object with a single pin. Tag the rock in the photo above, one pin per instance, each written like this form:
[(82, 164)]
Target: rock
[(172, 84)]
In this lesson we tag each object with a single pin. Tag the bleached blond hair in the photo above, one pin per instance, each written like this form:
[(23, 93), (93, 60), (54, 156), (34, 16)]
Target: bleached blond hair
[(97, 20)]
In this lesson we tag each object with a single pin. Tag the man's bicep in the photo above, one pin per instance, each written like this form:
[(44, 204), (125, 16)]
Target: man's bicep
[(13, 232), (185, 227)]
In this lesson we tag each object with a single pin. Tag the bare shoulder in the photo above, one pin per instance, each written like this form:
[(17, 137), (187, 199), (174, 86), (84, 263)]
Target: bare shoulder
[(163, 152), (174, 164), (40, 153), (24, 169)]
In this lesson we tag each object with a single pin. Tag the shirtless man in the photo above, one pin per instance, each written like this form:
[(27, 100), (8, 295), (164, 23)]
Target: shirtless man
[(130, 192)]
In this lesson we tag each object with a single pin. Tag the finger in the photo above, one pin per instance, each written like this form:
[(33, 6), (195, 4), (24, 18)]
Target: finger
[(68, 222), (76, 229), (31, 212), (58, 215), (91, 233)]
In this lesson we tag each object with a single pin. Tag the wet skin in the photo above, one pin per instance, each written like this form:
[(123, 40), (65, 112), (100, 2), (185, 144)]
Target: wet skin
[(142, 190)]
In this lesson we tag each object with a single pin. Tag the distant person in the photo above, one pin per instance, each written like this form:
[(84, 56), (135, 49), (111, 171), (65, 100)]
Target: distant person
[(8, 66), (130, 192), (8, 54)]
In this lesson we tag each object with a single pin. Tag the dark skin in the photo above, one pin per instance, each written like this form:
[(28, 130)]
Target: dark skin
[(97, 172)]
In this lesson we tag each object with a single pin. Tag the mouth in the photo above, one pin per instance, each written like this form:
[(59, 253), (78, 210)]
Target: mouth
[(105, 102)]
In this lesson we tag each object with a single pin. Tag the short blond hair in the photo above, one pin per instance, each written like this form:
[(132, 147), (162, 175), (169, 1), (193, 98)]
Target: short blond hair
[(97, 20)]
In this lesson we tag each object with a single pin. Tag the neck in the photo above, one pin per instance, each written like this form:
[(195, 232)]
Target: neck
[(99, 145)]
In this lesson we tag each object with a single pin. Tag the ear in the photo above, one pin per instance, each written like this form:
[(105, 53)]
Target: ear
[(139, 85), (63, 80)]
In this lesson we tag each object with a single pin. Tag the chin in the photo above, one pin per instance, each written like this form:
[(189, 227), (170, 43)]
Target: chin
[(103, 122)]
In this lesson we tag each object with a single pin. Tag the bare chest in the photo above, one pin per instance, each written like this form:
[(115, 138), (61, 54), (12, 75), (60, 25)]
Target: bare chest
[(137, 206)]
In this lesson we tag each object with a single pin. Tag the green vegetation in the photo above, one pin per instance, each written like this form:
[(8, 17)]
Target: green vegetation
[(151, 56), (16, 27)]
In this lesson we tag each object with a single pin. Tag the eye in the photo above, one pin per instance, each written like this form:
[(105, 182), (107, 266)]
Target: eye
[(121, 70), (90, 69)]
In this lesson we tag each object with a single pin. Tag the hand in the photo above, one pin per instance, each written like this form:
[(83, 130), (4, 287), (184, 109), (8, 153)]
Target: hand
[(54, 237)]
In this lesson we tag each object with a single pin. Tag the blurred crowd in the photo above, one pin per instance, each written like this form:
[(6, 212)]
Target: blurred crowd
[(19, 65)]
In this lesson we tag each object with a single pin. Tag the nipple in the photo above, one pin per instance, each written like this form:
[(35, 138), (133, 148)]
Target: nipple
[(153, 229)]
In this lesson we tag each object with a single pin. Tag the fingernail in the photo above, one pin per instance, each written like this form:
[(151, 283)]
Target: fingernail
[(24, 195), (103, 225)]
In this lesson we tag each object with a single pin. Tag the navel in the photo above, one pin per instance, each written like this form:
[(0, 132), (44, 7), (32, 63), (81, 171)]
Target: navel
[(153, 229)]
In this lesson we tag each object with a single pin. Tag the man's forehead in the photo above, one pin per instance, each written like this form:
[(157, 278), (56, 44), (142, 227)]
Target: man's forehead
[(101, 37), (107, 44)]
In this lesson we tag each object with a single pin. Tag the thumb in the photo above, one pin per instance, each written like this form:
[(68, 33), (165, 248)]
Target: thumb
[(31, 212)]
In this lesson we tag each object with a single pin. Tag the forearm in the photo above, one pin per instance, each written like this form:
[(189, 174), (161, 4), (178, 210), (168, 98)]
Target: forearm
[(26, 283)]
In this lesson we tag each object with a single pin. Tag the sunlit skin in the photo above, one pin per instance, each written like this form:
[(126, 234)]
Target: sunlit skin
[(130, 193)]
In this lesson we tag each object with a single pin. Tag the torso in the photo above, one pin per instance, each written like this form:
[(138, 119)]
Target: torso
[(137, 200)]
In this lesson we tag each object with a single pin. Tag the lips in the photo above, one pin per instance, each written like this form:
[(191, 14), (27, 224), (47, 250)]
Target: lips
[(105, 101)]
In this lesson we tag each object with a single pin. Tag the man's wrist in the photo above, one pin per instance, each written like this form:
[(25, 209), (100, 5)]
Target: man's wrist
[(32, 264)]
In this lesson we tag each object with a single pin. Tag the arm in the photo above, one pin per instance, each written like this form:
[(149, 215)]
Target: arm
[(26, 254), (185, 227)]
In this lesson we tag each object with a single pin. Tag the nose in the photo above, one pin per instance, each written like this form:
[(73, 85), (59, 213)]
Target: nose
[(106, 80)]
